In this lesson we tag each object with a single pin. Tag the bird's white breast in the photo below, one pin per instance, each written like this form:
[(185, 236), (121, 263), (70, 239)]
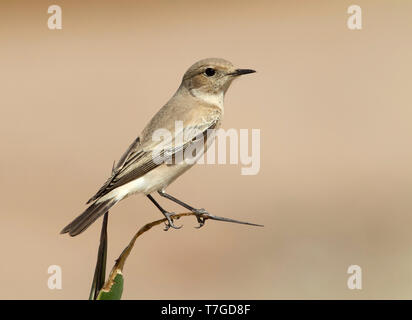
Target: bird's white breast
[(213, 99)]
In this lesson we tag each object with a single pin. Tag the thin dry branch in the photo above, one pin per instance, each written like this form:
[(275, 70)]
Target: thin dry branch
[(118, 266)]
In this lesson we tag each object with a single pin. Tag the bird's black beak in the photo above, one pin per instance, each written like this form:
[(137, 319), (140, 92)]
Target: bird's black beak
[(239, 72)]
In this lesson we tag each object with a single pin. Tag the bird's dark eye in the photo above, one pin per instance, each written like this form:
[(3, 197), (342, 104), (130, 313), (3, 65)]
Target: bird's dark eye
[(210, 72)]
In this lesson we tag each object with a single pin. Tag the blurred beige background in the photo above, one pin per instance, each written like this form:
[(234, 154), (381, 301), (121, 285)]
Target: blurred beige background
[(333, 106)]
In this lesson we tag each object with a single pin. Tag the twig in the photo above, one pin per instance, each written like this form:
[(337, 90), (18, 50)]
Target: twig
[(118, 266)]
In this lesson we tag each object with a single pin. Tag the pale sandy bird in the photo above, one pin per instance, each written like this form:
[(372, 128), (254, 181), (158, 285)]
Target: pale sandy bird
[(198, 104)]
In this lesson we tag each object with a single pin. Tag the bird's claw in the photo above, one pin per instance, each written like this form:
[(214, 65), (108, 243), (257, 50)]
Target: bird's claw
[(169, 224), (199, 217), (201, 222)]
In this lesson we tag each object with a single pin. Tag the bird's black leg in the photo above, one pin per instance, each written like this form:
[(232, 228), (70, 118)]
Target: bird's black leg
[(168, 215), (198, 212)]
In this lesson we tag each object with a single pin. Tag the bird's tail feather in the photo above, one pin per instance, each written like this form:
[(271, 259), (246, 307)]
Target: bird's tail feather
[(93, 212)]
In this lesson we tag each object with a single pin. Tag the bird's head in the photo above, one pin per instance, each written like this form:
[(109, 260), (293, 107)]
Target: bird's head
[(211, 76)]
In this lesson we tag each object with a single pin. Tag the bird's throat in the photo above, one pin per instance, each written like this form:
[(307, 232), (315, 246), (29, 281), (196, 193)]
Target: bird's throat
[(215, 99)]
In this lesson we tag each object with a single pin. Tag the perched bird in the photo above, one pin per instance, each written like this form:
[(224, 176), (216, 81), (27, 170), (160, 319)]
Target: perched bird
[(198, 106)]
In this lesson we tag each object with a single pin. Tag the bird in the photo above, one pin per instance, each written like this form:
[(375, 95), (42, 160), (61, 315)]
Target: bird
[(150, 165)]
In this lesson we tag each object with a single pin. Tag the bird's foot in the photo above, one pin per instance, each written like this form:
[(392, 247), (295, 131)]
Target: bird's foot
[(169, 224), (200, 219)]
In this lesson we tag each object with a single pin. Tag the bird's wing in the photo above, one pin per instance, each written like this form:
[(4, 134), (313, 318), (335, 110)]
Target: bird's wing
[(131, 154), (140, 159)]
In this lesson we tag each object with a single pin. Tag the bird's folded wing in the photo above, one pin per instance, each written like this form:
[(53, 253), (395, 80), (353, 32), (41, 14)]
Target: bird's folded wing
[(130, 155), (140, 159)]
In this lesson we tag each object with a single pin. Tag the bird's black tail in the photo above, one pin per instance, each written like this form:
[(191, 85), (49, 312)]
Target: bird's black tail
[(83, 221)]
